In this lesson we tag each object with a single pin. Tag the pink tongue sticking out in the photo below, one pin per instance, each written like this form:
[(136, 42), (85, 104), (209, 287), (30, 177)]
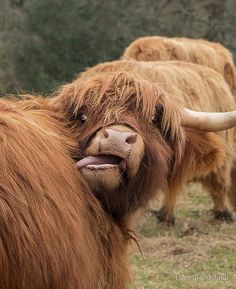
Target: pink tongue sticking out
[(98, 160)]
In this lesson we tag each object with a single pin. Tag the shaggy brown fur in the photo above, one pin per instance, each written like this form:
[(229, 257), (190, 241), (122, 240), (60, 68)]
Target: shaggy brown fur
[(210, 54), (148, 98), (53, 231)]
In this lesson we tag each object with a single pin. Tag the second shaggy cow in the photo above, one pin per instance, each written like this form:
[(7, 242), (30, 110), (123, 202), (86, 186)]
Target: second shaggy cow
[(210, 54)]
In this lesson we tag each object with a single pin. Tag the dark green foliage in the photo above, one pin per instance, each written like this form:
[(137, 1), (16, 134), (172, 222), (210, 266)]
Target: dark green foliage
[(47, 42)]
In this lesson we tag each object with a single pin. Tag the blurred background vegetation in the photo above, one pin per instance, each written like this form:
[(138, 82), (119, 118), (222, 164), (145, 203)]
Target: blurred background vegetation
[(47, 42)]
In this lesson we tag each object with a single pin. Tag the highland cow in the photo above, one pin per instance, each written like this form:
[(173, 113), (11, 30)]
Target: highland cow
[(210, 54), (142, 103)]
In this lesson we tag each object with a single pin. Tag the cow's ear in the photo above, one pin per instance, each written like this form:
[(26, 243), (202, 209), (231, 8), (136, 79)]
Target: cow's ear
[(229, 74), (204, 153)]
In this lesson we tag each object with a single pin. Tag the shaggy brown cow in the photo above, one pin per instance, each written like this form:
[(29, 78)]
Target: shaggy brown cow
[(132, 129), (53, 231), (210, 54)]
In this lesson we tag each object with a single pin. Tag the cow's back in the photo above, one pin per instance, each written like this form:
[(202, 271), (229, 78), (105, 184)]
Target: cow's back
[(193, 86), (199, 51)]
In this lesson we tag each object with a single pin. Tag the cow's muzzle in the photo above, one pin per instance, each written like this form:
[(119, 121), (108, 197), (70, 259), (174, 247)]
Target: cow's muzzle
[(114, 151)]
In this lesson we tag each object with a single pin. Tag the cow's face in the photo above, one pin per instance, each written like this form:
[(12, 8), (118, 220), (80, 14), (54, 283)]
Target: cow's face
[(130, 140), (122, 153)]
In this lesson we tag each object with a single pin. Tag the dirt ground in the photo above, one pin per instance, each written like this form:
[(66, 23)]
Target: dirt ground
[(198, 252)]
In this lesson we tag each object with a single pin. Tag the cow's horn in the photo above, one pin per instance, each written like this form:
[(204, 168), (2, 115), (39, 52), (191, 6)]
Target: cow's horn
[(208, 121)]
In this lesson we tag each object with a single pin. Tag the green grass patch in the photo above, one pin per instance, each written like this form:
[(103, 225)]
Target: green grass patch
[(198, 253)]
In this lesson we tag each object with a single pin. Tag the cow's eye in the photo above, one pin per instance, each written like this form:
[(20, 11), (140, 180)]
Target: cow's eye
[(155, 119), (157, 116), (82, 118)]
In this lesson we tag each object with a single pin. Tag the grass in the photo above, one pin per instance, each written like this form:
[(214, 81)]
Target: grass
[(197, 252)]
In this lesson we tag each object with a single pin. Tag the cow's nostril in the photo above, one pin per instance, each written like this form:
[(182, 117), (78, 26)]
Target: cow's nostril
[(131, 139), (106, 134)]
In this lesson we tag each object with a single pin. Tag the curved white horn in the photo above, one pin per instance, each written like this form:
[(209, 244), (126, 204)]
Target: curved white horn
[(208, 121)]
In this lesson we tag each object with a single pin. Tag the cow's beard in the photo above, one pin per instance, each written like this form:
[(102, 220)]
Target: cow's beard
[(114, 185), (120, 187), (109, 179), (121, 194)]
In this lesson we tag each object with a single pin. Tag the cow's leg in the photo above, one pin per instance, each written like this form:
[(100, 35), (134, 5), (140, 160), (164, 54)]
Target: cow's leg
[(232, 191), (166, 213), (218, 185)]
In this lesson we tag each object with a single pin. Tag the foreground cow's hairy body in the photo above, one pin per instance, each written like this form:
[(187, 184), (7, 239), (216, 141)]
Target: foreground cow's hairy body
[(204, 156), (53, 232), (210, 54)]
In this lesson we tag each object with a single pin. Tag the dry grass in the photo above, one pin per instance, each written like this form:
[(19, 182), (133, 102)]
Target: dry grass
[(197, 253)]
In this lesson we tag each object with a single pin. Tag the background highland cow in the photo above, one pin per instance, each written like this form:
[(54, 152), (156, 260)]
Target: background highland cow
[(198, 51)]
